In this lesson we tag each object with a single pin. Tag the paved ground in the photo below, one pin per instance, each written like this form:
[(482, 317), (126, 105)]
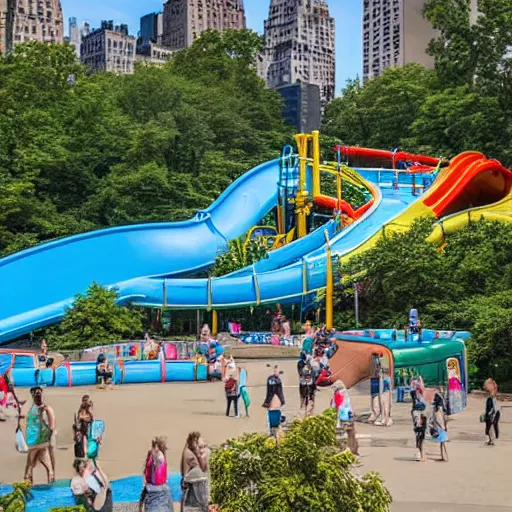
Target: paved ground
[(476, 479)]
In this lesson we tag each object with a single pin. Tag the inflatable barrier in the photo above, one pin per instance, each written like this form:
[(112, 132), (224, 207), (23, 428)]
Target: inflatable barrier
[(25, 372)]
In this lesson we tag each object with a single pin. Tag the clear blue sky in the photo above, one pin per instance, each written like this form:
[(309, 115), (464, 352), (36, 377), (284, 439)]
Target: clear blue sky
[(346, 12)]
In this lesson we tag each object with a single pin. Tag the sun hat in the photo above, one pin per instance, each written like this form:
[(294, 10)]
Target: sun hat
[(339, 385)]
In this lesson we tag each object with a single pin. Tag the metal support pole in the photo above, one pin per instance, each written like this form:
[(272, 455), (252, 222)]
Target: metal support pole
[(215, 325), (316, 163), (329, 291), (356, 304), (198, 322)]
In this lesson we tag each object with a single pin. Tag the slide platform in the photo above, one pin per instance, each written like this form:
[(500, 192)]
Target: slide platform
[(39, 283)]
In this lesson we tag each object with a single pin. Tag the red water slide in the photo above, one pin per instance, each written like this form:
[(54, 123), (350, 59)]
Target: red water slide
[(471, 180), (332, 204), (378, 154)]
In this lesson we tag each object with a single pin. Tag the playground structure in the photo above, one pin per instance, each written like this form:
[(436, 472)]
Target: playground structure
[(439, 357), (316, 228)]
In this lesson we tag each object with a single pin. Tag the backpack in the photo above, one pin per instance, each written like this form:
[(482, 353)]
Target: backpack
[(230, 386)]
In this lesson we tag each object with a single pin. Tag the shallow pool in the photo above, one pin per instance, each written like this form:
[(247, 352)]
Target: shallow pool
[(126, 490)]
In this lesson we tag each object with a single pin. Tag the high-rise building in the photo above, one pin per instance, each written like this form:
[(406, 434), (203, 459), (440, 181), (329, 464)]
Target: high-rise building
[(151, 28), (301, 106), (184, 20), (395, 33), (109, 48), (75, 36), (300, 46), (30, 20)]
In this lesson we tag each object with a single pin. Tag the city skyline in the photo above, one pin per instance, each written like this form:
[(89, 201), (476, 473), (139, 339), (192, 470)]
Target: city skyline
[(348, 17)]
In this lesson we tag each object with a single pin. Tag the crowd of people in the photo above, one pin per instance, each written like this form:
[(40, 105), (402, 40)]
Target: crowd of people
[(90, 484), (36, 432)]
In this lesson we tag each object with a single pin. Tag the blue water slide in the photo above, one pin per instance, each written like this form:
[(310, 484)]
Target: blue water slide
[(37, 285), (286, 277)]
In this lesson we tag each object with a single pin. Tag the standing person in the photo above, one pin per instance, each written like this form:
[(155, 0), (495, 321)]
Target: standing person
[(156, 494), (439, 429), (40, 435), (274, 399), (91, 487), (344, 414), (231, 388), (286, 331), (419, 422), (307, 391), (194, 474), (492, 413)]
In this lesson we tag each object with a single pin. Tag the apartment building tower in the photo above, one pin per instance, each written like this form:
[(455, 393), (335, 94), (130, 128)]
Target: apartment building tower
[(30, 20), (184, 20), (109, 48), (75, 35), (300, 46), (395, 33), (151, 28)]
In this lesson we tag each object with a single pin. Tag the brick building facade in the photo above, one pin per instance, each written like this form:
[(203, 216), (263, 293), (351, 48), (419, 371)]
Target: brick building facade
[(30, 20), (184, 20), (300, 46)]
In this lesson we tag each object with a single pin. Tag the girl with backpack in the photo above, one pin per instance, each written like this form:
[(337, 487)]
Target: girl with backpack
[(231, 387)]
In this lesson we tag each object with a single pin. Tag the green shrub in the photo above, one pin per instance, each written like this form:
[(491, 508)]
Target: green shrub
[(303, 472), (16, 501)]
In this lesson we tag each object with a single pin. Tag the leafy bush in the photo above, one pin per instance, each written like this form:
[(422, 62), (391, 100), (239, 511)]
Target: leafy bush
[(303, 472), (16, 501), (95, 319)]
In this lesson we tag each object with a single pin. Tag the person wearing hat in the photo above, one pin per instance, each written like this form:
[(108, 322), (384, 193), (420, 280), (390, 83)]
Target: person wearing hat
[(307, 391), (345, 414), (274, 399), (341, 401), (231, 387)]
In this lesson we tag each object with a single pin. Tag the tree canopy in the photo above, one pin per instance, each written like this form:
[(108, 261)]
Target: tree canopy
[(464, 103), (80, 151), (95, 319), (466, 286)]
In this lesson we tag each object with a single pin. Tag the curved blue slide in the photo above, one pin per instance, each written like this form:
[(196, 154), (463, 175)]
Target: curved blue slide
[(37, 285), (288, 277)]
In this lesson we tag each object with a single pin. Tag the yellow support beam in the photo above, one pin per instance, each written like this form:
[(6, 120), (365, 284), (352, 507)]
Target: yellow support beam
[(215, 323), (301, 201), (316, 163)]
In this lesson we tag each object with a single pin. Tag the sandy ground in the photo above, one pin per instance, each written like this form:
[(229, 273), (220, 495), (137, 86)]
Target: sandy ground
[(475, 480)]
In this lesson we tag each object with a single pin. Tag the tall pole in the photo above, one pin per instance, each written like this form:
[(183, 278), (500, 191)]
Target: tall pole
[(215, 321), (356, 304), (329, 291)]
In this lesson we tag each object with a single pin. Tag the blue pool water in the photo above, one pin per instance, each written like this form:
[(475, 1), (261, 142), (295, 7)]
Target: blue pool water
[(126, 490)]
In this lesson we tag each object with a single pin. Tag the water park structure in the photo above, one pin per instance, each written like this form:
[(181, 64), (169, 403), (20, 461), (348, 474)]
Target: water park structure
[(316, 226)]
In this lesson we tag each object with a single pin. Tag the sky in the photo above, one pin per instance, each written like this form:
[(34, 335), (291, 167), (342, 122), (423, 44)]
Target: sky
[(347, 14)]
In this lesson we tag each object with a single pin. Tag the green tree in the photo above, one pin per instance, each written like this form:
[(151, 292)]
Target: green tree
[(81, 151), (305, 471), (461, 119), (95, 319), (466, 286), (380, 112), (240, 255)]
